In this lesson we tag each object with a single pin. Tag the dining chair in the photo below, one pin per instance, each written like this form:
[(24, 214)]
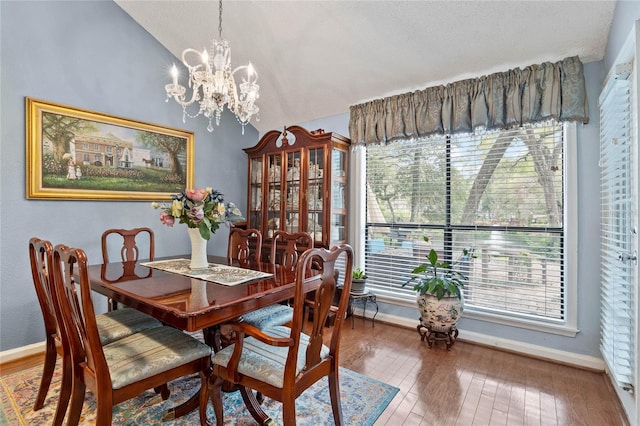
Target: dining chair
[(282, 362), (123, 369), (244, 244), (286, 247), (129, 250), (286, 256), (111, 327)]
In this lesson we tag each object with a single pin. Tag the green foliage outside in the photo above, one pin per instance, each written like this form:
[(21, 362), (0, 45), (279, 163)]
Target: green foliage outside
[(499, 179)]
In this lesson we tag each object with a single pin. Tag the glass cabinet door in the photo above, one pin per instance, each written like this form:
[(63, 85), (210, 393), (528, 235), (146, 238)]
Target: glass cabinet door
[(255, 194), (294, 194), (315, 193), (338, 196), (274, 194)]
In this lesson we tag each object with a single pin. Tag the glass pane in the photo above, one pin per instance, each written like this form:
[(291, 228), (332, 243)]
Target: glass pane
[(316, 175), (338, 227), (339, 163), (274, 193), (314, 224), (406, 182), (314, 195), (510, 178), (255, 196), (292, 208), (338, 194)]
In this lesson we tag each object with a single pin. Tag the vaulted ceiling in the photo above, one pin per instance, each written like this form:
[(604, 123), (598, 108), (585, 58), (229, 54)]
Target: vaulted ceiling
[(316, 58)]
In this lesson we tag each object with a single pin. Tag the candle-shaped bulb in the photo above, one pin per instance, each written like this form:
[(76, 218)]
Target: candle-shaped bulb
[(174, 74), (205, 57), (250, 72)]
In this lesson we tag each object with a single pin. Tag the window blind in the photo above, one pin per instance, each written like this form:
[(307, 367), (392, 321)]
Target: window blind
[(491, 204), (618, 295)]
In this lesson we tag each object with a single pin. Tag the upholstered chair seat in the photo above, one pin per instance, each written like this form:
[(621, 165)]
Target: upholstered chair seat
[(269, 316), (266, 362), (150, 352), (124, 322)]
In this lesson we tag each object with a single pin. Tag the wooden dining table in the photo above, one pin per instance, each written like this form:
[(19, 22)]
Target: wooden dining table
[(192, 304)]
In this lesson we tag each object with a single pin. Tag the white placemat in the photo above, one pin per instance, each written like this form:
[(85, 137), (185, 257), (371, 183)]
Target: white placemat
[(219, 274)]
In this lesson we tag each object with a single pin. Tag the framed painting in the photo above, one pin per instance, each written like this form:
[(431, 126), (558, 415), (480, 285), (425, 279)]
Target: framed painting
[(75, 154)]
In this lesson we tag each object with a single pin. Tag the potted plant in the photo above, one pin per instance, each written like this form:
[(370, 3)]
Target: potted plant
[(439, 298), (358, 281)]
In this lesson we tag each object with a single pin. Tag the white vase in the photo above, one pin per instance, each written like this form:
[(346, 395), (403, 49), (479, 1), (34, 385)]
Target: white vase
[(198, 249)]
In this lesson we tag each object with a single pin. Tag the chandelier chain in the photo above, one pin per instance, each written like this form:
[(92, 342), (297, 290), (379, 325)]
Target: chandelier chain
[(220, 19)]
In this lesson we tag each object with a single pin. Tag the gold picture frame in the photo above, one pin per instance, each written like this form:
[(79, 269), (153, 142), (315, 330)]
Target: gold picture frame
[(76, 154)]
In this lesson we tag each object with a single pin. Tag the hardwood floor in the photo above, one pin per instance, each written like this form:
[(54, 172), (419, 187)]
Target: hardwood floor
[(469, 385), (474, 385)]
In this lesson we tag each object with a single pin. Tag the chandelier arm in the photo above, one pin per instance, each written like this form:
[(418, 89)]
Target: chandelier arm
[(180, 99), (246, 67), (186, 63)]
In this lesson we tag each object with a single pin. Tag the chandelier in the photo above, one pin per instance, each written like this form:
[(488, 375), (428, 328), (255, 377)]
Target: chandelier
[(213, 85)]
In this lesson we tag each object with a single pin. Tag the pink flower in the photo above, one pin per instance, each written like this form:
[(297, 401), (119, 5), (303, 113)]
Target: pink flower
[(196, 214), (167, 219), (196, 195)]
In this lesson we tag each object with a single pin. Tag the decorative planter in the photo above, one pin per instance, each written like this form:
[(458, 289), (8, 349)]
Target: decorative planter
[(198, 249), (438, 318), (358, 285)]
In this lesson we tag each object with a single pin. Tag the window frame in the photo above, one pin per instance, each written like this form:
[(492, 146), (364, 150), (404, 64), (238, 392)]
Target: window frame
[(568, 327)]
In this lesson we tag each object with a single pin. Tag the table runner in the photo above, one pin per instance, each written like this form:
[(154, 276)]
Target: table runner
[(216, 273)]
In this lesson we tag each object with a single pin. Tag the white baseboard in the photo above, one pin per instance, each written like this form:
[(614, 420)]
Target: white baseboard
[(22, 352), (537, 351)]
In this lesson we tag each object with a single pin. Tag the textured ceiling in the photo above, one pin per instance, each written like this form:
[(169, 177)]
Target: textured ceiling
[(316, 58)]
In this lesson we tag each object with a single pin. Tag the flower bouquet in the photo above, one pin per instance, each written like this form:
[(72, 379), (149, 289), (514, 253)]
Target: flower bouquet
[(203, 209)]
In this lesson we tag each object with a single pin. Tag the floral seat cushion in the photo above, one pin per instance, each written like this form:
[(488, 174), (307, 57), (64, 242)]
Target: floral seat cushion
[(150, 352), (265, 362), (269, 316), (123, 322)]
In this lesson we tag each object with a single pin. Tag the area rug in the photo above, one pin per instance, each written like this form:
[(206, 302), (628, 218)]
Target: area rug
[(363, 400)]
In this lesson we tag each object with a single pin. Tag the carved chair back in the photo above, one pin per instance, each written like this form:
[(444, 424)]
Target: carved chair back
[(287, 247), (244, 244)]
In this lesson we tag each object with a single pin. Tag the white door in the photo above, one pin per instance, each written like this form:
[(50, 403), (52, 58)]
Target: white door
[(619, 227)]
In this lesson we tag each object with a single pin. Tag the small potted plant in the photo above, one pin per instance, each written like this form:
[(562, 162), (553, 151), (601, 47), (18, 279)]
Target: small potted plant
[(439, 297), (358, 281)]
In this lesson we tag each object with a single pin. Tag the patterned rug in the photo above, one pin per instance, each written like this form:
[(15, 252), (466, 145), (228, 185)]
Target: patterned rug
[(363, 400)]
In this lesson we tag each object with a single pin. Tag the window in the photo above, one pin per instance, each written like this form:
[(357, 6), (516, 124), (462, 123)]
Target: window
[(499, 196)]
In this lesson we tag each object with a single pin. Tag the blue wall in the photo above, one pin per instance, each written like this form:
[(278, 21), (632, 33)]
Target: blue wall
[(90, 55)]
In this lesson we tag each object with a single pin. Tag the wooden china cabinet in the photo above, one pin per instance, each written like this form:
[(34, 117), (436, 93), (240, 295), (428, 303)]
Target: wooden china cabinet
[(298, 183)]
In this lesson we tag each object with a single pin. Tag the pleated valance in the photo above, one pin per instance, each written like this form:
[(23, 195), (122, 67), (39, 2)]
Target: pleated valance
[(497, 101)]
